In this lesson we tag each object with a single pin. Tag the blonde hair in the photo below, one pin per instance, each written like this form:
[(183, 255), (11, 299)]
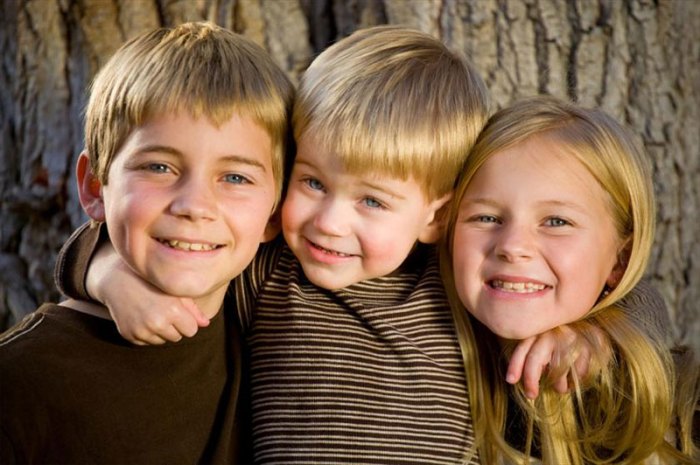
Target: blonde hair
[(393, 101), (622, 415), (196, 67)]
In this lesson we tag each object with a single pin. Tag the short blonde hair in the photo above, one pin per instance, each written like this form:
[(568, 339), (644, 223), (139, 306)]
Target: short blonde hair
[(599, 143), (393, 101), (197, 67)]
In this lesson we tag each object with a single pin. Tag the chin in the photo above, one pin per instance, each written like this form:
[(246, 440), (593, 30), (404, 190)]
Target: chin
[(331, 283), (510, 333), (184, 290), (327, 284)]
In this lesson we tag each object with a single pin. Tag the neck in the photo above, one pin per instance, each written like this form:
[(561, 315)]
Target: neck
[(90, 308)]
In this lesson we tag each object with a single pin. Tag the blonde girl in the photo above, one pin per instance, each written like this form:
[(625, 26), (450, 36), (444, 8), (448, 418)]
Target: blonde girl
[(552, 224)]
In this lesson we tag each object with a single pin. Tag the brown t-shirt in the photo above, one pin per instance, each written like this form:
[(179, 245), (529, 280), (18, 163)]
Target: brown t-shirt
[(73, 391)]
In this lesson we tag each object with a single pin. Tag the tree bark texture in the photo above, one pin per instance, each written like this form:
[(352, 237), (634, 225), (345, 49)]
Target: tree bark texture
[(637, 59)]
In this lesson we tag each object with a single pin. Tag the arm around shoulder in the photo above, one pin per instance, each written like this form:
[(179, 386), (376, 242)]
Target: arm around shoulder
[(74, 258)]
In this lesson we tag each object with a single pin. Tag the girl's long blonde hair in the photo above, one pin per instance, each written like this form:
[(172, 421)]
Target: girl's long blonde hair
[(622, 415)]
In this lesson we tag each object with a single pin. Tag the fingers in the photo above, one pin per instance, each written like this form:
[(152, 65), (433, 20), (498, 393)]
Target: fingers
[(199, 317), (562, 353), (517, 360), (549, 353), (149, 340), (593, 353), (537, 359), (140, 335), (561, 384), (582, 363), (170, 324), (601, 348), (535, 364)]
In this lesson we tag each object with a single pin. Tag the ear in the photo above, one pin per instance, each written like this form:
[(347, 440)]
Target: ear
[(273, 227), (618, 270), (434, 227), (89, 189)]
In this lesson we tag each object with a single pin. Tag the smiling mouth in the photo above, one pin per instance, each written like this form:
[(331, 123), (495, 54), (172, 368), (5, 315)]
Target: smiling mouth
[(329, 251), (519, 287), (189, 246)]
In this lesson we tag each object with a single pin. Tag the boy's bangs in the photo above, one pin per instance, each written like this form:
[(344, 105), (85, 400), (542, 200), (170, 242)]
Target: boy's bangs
[(403, 149), (363, 153), (204, 86)]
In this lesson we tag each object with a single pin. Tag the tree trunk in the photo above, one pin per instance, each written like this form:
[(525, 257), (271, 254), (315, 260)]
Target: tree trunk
[(637, 59)]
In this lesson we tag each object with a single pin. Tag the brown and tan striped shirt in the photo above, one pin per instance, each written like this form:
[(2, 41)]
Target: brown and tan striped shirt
[(368, 374)]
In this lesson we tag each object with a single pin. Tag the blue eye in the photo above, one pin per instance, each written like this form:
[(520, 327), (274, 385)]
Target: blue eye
[(314, 184), (234, 178), (157, 167), (486, 219), (556, 222), (372, 203)]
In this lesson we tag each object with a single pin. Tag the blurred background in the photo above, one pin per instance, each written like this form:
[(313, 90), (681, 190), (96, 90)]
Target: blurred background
[(637, 59)]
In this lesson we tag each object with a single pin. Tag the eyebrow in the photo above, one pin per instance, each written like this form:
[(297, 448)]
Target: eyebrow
[(366, 184), (547, 203), (233, 158), (563, 203), (383, 189), (479, 200)]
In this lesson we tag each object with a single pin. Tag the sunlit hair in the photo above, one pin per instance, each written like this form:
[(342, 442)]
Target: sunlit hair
[(393, 101), (199, 68), (622, 415)]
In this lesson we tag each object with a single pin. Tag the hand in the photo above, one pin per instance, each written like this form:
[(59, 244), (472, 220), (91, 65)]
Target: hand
[(144, 315), (557, 352)]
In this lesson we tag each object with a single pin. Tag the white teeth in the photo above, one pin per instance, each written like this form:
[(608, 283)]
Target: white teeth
[(518, 287), (332, 252), (195, 247)]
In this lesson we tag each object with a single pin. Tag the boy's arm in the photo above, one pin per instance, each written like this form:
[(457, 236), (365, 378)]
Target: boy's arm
[(552, 352), (246, 287), (88, 258), (73, 260)]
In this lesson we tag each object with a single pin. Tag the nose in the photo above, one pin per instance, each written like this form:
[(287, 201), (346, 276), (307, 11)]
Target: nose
[(193, 199), (515, 242), (331, 218)]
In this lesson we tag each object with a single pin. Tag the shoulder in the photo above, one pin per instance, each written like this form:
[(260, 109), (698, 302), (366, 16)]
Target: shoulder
[(274, 261), (25, 328), (266, 259), (423, 263), (646, 307), (49, 329), (644, 294), (25, 349)]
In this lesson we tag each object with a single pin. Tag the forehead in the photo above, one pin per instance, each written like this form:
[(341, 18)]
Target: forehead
[(538, 167), (199, 136)]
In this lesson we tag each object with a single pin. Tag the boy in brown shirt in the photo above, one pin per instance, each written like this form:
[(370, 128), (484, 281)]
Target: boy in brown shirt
[(183, 163)]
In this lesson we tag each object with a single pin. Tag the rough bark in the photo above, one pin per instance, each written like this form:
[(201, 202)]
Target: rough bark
[(638, 59)]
